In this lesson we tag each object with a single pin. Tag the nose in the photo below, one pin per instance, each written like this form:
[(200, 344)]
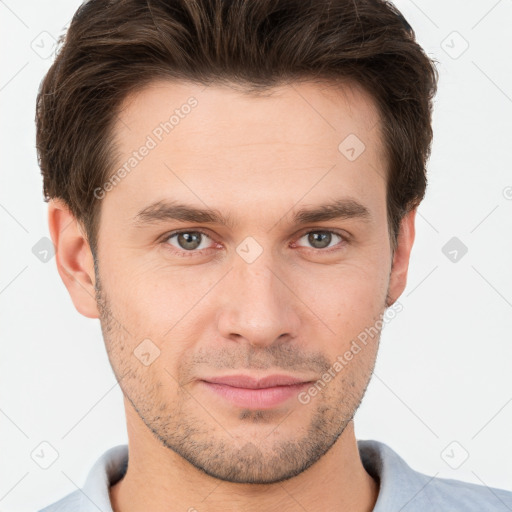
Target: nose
[(258, 304)]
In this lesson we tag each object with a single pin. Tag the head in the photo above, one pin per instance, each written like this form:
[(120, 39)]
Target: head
[(287, 143)]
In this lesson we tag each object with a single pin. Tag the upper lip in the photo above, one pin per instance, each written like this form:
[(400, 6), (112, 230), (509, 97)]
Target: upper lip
[(249, 382)]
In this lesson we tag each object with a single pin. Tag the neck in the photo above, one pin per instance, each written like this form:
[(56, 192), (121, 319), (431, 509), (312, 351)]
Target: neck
[(159, 480)]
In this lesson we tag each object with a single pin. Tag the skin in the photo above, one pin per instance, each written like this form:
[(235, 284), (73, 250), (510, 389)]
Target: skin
[(293, 310)]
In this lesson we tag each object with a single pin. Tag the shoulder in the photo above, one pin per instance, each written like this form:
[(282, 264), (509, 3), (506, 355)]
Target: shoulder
[(467, 496), (94, 495), (402, 488), (71, 502)]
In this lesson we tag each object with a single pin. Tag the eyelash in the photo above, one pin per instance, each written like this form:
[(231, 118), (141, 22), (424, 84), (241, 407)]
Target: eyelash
[(186, 254)]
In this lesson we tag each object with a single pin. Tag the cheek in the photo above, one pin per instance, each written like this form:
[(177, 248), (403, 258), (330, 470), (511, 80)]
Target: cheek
[(149, 289), (350, 302), (345, 294), (165, 306)]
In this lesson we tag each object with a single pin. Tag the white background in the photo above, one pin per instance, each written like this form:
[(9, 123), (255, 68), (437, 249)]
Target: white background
[(443, 373)]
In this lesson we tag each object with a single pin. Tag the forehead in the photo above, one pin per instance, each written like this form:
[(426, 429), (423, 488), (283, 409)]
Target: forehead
[(307, 109), (294, 139)]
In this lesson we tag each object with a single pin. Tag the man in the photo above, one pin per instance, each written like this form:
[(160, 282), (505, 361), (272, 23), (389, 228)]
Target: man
[(233, 188)]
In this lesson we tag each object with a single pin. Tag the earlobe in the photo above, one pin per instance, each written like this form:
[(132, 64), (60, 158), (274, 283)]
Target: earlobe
[(73, 255), (400, 266)]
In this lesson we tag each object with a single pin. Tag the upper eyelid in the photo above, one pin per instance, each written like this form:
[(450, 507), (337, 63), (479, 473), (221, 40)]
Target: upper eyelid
[(326, 230)]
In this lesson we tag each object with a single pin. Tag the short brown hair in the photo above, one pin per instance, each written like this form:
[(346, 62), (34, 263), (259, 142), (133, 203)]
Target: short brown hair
[(113, 48)]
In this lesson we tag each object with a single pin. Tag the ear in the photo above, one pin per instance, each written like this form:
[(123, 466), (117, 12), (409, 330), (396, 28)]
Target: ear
[(398, 276), (73, 255)]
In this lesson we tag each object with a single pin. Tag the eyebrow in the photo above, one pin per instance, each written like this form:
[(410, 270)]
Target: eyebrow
[(165, 210)]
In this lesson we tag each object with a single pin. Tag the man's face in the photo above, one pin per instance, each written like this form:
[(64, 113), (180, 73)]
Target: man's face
[(264, 294)]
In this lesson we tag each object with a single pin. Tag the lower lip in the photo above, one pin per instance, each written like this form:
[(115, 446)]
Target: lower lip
[(264, 398)]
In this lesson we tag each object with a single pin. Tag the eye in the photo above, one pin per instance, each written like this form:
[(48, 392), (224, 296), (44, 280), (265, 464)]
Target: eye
[(187, 241), (321, 239)]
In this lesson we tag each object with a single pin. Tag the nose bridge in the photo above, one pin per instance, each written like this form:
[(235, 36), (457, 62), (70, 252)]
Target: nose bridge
[(258, 306)]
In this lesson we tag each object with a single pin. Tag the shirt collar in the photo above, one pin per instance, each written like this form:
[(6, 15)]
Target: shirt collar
[(400, 487)]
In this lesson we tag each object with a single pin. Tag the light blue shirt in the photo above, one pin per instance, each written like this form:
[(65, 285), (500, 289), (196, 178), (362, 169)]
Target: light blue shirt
[(402, 489)]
